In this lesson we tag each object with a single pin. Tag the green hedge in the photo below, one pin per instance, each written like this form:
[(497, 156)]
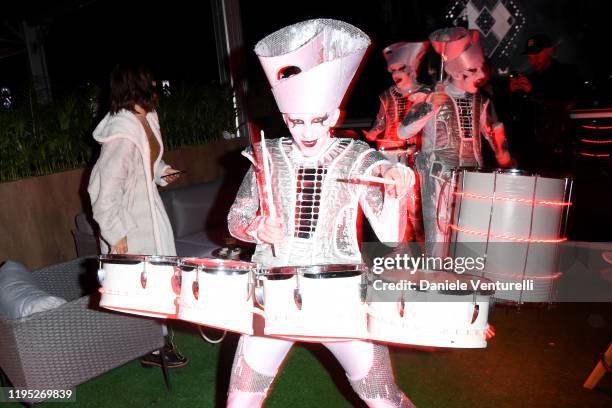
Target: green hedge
[(37, 140)]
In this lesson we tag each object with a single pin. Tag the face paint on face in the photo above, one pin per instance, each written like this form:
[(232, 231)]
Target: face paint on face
[(470, 79), (311, 132), (402, 75)]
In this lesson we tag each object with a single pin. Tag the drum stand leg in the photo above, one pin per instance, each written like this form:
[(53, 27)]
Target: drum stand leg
[(4, 382), (602, 367), (164, 367)]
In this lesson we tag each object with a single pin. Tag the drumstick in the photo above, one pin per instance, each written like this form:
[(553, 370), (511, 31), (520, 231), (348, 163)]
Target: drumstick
[(374, 179), (442, 57), (268, 183)]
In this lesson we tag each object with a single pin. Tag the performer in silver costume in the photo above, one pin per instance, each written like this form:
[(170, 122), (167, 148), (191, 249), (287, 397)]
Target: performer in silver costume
[(403, 60), (310, 66), (452, 121)]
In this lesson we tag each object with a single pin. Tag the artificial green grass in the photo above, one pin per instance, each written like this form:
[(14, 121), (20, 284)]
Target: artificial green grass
[(539, 358)]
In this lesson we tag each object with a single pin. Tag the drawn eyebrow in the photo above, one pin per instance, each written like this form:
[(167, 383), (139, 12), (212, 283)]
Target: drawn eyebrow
[(320, 119)]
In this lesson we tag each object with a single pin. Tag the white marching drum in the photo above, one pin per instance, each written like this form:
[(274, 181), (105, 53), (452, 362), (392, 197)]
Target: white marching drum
[(430, 312), (140, 284), (217, 293), (515, 221), (314, 303)]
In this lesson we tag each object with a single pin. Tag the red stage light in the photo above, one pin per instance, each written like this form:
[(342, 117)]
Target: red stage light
[(521, 276), (514, 199), (596, 141), (595, 154), (507, 237), (596, 127)]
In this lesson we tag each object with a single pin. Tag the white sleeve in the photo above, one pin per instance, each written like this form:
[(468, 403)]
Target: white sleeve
[(382, 211), (416, 118), (107, 186)]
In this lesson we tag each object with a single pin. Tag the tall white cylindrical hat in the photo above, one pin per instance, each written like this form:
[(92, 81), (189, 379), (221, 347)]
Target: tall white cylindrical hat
[(460, 48), (408, 53), (311, 64)]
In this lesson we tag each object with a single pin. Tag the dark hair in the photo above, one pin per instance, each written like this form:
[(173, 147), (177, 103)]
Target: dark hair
[(129, 85)]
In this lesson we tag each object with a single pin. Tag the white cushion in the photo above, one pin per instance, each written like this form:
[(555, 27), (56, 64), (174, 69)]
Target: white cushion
[(20, 296)]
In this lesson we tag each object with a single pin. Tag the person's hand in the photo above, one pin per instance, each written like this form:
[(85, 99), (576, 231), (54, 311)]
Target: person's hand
[(404, 180), (173, 177), (120, 247), (439, 97), (505, 161), (271, 231), (520, 83), (369, 135)]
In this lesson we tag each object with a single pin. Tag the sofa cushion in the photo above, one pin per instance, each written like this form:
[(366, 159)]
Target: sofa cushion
[(216, 237), (84, 223), (20, 296), (189, 249), (201, 244), (192, 208)]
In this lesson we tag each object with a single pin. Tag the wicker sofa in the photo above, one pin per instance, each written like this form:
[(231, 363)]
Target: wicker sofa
[(66, 346)]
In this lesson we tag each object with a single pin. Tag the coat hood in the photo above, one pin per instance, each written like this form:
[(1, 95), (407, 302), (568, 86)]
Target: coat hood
[(123, 124)]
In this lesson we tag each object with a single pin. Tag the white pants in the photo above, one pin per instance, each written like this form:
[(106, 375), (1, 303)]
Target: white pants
[(367, 366)]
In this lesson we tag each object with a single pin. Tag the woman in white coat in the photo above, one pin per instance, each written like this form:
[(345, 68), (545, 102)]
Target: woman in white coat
[(123, 183)]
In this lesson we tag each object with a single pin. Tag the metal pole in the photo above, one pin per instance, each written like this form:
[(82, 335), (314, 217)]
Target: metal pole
[(231, 59)]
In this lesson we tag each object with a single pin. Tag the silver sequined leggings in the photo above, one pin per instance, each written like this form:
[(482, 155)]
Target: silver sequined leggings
[(367, 366)]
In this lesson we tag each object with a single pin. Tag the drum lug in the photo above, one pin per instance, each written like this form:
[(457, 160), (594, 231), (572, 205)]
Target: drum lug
[(475, 313), (258, 293), (176, 280), (297, 297), (365, 286), (101, 275), (143, 279), (195, 288), (297, 293), (259, 296), (251, 285), (364, 292)]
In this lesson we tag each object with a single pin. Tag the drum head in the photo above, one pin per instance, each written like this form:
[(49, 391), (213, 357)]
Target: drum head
[(514, 172), (218, 266), (315, 271), (163, 260), (233, 252), (445, 283), (126, 259)]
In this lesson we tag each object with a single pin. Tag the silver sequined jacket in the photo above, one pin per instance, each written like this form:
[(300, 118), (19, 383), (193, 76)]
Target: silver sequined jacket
[(452, 135), (393, 108), (318, 202)]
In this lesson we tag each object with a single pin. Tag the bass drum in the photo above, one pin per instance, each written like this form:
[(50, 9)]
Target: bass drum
[(515, 221)]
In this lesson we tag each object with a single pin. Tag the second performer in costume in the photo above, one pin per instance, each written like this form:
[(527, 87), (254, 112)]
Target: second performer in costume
[(452, 120)]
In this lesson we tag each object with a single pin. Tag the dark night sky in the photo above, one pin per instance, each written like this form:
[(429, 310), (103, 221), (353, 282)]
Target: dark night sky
[(85, 38), (84, 43)]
